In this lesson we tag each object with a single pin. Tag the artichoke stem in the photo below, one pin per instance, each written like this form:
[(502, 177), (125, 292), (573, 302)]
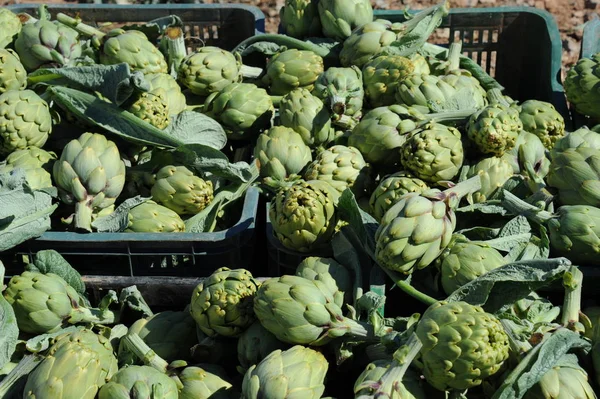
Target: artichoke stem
[(403, 357), (26, 18), (345, 122), (276, 100), (13, 383), (360, 329), (517, 346), (454, 56), (495, 97), (449, 116), (80, 27), (87, 315), (136, 345), (463, 188), (251, 72), (176, 50), (517, 206), (83, 216), (573, 283)]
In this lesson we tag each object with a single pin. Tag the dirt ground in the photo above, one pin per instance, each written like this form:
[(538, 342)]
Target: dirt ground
[(569, 14)]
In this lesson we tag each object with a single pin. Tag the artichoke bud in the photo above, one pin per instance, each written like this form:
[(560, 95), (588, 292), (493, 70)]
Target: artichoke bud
[(281, 152), (580, 84), (12, 73), (209, 70), (390, 189), (11, 26), (382, 75), (178, 189), (340, 17), (300, 19), (292, 69), (342, 90), (543, 120), (134, 48)]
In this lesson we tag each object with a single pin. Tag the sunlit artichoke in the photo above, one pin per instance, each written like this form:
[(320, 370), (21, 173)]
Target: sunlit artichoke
[(11, 26), (35, 162), (494, 129), (139, 382), (281, 152), (25, 120), (209, 69), (76, 366), (494, 172), (89, 174), (462, 345), (304, 215), (12, 73), (434, 152), (222, 303), (151, 107), (382, 76), (292, 69), (583, 137), (300, 18), (243, 109), (149, 217), (543, 120), (391, 189), (528, 153), (340, 17), (255, 344), (178, 189), (575, 173), (297, 372), (165, 86), (580, 86), (567, 380), (335, 276), (306, 114), (341, 89), (133, 48), (200, 383)]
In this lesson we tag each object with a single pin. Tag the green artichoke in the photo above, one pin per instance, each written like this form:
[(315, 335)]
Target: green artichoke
[(575, 173), (298, 372), (165, 86), (89, 174), (12, 73), (300, 19), (47, 43), (35, 162), (222, 303), (415, 231), (463, 261), (382, 75), (543, 120), (494, 172), (340, 17), (25, 120), (149, 217), (420, 63), (281, 152), (306, 114), (580, 86), (568, 381), (255, 344), (45, 303), (243, 109), (409, 388), (462, 345), (583, 137), (391, 189), (335, 276), (151, 107), (75, 367), (494, 129), (138, 382), (342, 167), (11, 26), (292, 69), (434, 152), (199, 383), (171, 335), (528, 153), (381, 133), (341, 89), (133, 48), (178, 189), (209, 70), (304, 215)]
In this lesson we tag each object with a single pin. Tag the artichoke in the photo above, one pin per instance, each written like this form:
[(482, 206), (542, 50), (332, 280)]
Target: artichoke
[(495, 128), (298, 372), (255, 344), (341, 89), (171, 335), (11, 26), (415, 231), (391, 189), (528, 154), (222, 303), (76, 366), (409, 388), (340, 17), (304, 215), (306, 114), (25, 120), (292, 69), (133, 48), (335, 276), (381, 133), (35, 162), (463, 261), (342, 167), (494, 172), (462, 345), (149, 217), (44, 303), (139, 382), (47, 43), (199, 383), (209, 70), (151, 107), (575, 173), (12, 73), (178, 189), (433, 153), (566, 380), (166, 87), (382, 76), (583, 137), (89, 174), (243, 109), (280, 152), (420, 64), (580, 86), (299, 18), (543, 120)]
